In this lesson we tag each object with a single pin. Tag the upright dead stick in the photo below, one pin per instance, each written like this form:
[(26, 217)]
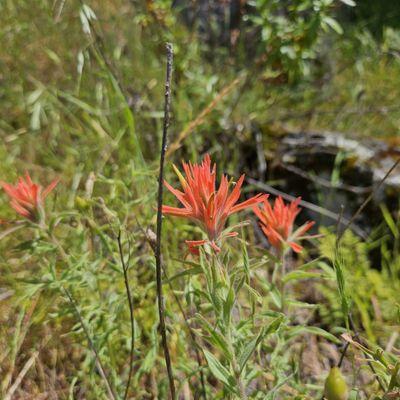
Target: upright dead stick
[(161, 309)]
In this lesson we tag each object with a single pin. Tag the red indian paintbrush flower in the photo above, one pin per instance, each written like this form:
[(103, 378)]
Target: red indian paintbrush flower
[(205, 205), (277, 223), (27, 198)]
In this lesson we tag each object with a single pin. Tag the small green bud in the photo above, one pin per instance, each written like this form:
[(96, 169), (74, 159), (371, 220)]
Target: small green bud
[(81, 204), (335, 386)]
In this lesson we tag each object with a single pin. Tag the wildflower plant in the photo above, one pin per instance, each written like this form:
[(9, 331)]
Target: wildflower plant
[(277, 223), (28, 198), (206, 205), (217, 282)]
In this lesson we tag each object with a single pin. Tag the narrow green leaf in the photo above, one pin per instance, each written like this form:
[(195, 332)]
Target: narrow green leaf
[(215, 338), (228, 305), (219, 371), (333, 24), (298, 330), (389, 220), (249, 349), (252, 345), (298, 275), (395, 378), (187, 272), (274, 325)]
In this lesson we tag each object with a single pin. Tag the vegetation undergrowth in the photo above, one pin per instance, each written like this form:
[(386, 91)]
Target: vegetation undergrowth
[(257, 304)]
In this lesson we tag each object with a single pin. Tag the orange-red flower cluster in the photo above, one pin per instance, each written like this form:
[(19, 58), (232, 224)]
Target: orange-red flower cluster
[(277, 223), (27, 198), (206, 205), (203, 203)]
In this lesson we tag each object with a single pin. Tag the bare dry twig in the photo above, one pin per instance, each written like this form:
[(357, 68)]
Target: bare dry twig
[(161, 306), (21, 375)]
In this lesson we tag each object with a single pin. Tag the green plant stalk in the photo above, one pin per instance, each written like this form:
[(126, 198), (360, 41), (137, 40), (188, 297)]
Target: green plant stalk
[(282, 283), (221, 276), (277, 277), (236, 368)]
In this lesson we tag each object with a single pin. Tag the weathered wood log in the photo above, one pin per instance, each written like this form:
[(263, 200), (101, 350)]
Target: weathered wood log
[(370, 156), (331, 170)]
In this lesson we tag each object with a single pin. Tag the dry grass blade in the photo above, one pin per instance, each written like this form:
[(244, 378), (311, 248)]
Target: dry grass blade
[(10, 230), (200, 118), (20, 377), (21, 330)]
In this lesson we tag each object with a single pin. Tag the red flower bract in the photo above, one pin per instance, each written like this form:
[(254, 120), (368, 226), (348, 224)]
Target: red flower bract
[(203, 204), (27, 198), (277, 223)]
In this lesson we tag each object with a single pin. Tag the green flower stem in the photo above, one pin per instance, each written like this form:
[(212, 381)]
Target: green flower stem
[(224, 279), (282, 283), (278, 275), (239, 382)]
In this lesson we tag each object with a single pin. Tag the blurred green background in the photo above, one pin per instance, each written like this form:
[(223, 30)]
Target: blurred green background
[(81, 98)]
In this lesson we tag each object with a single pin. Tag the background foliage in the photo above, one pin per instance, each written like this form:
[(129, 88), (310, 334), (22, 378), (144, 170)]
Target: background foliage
[(81, 91)]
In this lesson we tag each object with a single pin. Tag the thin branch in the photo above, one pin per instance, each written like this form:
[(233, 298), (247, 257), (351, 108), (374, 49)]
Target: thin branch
[(99, 364), (367, 200), (324, 182), (346, 346), (161, 307), (125, 267), (337, 111), (337, 229)]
